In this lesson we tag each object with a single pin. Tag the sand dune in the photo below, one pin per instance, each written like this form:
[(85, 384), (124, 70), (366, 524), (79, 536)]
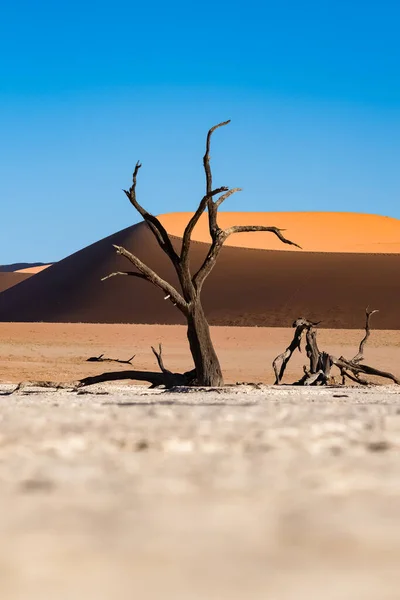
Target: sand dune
[(9, 279), (21, 267), (247, 287), (11, 275), (33, 270), (313, 231)]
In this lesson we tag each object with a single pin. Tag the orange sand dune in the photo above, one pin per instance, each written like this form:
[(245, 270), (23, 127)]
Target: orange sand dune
[(33, 270), (21, 266), (11, 276), (313, 231), (8, 280), (247, 287)]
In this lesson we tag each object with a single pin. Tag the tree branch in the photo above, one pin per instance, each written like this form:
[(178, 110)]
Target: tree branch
[(159, 358), (194, 220), (156, 379), (356, 368), (158, 230), (206, 158), (218, 235), (101, 358), (360, 355), (155, 279), (249, 228), (212, 209), (224, 197), (210, 260), (219, 238), (129, 273)]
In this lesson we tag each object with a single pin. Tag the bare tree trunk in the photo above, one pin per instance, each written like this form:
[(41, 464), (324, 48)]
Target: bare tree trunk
[(208, 369)]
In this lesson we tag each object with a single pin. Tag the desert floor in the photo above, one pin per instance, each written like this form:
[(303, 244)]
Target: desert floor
[(58, 351), (242, 493)]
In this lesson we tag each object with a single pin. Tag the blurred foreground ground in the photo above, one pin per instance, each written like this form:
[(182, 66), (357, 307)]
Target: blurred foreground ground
[(239, 494)]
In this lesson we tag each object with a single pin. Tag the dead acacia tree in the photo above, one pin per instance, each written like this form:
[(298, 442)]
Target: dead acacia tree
[(187, 299), (320, 363)]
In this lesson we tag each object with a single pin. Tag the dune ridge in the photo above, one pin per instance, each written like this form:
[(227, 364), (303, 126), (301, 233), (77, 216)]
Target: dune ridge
[(313, 231), (21, 267), (33, 270), (249, 286)]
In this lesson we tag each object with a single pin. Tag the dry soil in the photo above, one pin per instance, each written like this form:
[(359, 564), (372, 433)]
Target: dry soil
[(239, 494)]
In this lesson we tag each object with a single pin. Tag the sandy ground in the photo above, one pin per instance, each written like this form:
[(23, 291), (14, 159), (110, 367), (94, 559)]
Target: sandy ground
[(262, 494), (59, 351)]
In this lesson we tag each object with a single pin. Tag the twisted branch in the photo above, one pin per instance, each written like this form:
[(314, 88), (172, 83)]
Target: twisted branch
[(151, 276), (159, 231), (280, 362), (360, 355), (212, 209), (219, 238), (194, 220)]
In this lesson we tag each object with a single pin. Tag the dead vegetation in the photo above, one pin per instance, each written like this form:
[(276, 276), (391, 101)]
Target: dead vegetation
[(207, 370), (318, 372)]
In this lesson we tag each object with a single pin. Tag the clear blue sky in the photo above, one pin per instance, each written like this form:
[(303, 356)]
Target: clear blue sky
[(87, 88)]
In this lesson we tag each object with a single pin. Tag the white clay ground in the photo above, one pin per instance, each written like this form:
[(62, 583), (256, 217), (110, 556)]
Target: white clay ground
[(122, 493)]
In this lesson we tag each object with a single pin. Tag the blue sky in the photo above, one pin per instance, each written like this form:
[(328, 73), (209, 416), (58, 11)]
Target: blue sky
[(86, 89)]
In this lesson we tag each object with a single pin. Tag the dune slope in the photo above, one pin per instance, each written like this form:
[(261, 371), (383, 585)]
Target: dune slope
[(9, 279), (247, 287)]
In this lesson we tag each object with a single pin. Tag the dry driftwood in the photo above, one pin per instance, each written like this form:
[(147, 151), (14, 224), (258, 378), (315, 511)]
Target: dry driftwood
[(280, 362), (165, 378), (321, 363), (101, 358)]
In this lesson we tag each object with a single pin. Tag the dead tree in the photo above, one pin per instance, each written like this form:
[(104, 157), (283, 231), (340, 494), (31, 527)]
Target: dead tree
[(188, 298), (321, 363)]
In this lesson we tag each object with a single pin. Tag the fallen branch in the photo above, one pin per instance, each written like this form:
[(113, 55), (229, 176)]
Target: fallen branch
[(154, 377), (355, 368), (53, 385), (166, 378), (117, 360)]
